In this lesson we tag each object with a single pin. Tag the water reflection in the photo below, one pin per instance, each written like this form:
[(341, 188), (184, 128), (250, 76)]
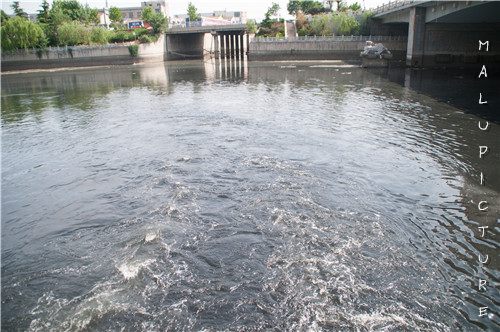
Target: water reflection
[(457, 87)]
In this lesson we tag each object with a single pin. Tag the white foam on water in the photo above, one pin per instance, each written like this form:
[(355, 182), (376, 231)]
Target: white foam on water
[(378, 318), (150, 237), (59, 314), (130, 270)]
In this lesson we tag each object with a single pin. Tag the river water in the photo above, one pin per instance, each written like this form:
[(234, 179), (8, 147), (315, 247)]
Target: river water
[(233, 196)]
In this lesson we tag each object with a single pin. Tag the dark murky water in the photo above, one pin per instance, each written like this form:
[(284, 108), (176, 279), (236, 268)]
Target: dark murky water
[(282, 196)]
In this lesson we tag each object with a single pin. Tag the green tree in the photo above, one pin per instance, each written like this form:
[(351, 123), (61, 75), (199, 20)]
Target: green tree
[(5, 17), (251, 26), (294, 7), (305, 6), (58, 17), (73, 33), (355, 7), (364, 23), (88, 15), (341, 7), (43, 14), (346, 24), (311, 7), (193, 15), (319, 25), (273, 10), (71, 8), (100, 35), (115, 14), (19, 33), (271, 27), (18, 10), (158, 22), (330, 4), (147, 13)]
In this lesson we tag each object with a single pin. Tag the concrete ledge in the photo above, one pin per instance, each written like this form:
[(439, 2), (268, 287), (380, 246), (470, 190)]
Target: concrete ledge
[(61, 63)]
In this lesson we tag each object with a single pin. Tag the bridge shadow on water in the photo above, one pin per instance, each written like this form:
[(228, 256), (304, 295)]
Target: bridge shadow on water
[(458, 87)]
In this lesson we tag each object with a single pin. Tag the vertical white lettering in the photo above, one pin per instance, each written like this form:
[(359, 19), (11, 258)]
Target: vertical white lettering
[(481, 102), (482, 150), (483, 311), (485, 259), (482, 179), (483, 72), (482, 284), (487, 43), (482, 208), (485, 127), (483, 230)]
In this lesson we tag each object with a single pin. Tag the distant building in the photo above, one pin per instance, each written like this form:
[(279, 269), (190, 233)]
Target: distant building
[(234, 17), (30, 17), (218, 17), (33, 18), (135, 13), (103, 17)]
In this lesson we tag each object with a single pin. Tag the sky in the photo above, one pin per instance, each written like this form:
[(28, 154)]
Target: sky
[(255, 9)]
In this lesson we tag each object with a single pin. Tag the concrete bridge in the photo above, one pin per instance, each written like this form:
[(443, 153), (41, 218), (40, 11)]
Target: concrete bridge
[(443, 33), (226, 41)]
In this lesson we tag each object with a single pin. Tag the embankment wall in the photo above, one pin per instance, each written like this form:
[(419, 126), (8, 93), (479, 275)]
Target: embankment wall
[(320, 48), (82, 56)]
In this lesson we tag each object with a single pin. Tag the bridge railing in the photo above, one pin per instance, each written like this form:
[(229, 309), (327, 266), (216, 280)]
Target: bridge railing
[(394, 4), (328, 38)]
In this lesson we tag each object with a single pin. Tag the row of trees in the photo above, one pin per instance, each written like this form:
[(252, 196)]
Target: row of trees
[(337, 23), (313, 19), (68, 23), (315, 7)]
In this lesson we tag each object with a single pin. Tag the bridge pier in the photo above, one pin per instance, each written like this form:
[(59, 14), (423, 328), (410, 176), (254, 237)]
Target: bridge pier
[(416, 37), (242, 46), (215, 38), (236, 46), (231, 37), (223, 45)]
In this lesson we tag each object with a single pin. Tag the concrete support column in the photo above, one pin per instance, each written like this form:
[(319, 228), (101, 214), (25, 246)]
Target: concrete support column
[(223, 46), (231, 42), (248, 42), (215, 37), (236, 46), (242, 47), (416, 37)]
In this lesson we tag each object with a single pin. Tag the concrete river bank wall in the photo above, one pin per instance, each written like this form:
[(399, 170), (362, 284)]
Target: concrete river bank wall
[(82, 56), (321, 47)]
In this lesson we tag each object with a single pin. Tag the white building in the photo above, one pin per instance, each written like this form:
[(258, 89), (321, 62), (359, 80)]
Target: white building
[(217, 17), (135, 13)]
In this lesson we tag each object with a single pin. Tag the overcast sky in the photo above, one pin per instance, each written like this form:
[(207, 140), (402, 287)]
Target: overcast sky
[(254, 8)]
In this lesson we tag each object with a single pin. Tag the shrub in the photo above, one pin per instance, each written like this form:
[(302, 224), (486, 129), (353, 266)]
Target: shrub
[(73, 33), (100, 36), (148, 38), (122, 36), (304, 32), (134, 50)]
